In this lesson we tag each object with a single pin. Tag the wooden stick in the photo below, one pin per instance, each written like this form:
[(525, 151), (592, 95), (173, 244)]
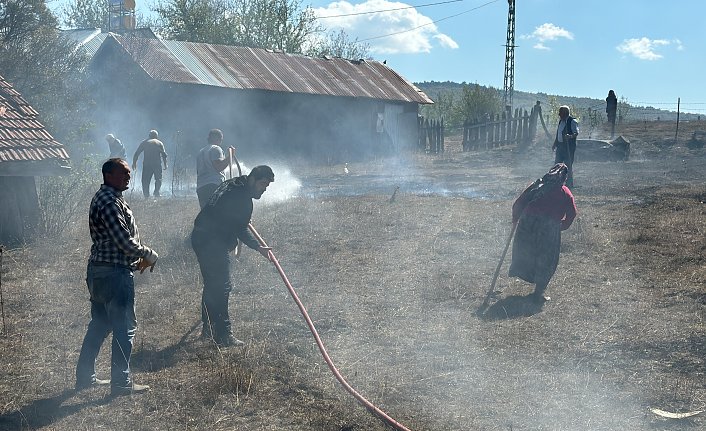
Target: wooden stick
[(497, 270)]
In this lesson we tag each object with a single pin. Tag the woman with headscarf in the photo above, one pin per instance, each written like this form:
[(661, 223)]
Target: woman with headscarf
[(541, 212)]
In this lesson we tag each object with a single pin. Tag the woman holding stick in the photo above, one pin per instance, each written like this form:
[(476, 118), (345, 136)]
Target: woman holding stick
[(541, 212)]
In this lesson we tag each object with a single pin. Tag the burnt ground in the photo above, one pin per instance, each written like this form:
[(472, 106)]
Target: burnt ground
[(393, 288)]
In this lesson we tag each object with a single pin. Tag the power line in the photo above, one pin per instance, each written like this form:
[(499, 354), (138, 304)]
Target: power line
[(429, 23), (388, 10)]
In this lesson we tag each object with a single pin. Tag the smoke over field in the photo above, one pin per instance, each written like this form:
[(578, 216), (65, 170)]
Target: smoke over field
[(393, 286)]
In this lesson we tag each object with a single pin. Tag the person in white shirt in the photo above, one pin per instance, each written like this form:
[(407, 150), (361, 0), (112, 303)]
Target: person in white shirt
[(211, 163)]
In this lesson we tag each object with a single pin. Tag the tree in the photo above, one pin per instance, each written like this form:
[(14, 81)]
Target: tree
[(338, 44), (478, 101), (281, 25), (85, 14), (43, 66)]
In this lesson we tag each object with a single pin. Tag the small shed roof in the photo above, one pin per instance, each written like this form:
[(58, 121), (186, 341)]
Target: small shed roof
[(246, 68), (26, 147)]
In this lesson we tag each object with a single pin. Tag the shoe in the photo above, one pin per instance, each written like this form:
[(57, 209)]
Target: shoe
[(128, 390), (90, 384), (229, 341)]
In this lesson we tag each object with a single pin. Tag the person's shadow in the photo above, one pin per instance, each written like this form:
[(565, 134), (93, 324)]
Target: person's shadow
[(511, 307), (42, 412), (151, 360)]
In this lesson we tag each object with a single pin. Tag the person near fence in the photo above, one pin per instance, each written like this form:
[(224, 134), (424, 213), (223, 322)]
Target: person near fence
[(117, 149), (116, 252), (211, 163), (151, 166), (541, 212), (565, 142), (611, 109), (218, 227)]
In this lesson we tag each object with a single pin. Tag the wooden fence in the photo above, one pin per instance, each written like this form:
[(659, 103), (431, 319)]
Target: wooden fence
[(431, 135), (501, 130)]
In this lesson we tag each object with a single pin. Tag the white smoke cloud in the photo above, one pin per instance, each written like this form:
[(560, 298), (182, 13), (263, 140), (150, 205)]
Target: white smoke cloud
[(644, 48), (547, 32), (407, 31)]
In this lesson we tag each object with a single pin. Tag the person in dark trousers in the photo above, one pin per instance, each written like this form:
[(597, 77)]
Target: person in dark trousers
[(565, 142), (218, 227), (116, 252), (541, 212), (210, 167), (117, 149), (611, 109), (151, 166)]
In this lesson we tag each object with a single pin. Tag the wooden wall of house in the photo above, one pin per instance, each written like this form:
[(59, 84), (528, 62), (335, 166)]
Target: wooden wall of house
[(19, 212)]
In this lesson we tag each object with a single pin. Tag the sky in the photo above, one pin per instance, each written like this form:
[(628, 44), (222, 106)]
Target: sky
[(650, 52)]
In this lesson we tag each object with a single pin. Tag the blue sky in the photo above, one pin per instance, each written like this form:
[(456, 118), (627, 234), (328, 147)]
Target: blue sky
[(650, 52)]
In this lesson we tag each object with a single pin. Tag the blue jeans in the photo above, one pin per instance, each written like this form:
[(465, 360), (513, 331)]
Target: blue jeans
[(112, 291)]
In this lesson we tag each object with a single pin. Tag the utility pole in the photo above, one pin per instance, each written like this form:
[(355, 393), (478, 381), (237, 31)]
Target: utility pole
[(509, 80)]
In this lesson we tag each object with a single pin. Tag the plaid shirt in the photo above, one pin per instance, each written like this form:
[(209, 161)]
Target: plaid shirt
[(113, 230)]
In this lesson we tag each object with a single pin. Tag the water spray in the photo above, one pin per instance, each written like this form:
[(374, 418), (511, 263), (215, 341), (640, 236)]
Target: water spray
[(367, 404)]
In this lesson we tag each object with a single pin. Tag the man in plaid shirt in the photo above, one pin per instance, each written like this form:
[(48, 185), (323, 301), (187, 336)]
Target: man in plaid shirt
[(116, 252)]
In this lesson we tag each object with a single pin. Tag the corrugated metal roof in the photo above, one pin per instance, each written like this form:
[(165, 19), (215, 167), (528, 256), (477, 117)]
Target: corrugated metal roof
[(258, 69), (22, 136), (91, 39)]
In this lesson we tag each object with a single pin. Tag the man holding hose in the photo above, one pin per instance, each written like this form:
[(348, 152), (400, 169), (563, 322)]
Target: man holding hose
[(211, 164), (218, 227)]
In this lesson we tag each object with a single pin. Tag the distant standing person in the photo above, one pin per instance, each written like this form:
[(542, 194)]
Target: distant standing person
[(116, 252), (611, 109), (117, 149), (151, 166), (211, 163), (565, 142), (541, 212), (217, 228)]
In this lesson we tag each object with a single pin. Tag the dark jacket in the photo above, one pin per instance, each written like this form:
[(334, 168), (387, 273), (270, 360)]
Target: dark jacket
[(225, 218)]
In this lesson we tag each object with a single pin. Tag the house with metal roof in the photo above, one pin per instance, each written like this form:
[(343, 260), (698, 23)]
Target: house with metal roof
[(266, 103), (27, 150)]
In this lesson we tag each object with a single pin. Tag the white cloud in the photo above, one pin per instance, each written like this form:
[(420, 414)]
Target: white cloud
[(644, 48), (540, 45), (396, 23), (547, 32)]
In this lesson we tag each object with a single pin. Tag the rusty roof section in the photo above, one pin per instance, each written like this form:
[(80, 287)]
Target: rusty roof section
[(259, 69), (22, 136)]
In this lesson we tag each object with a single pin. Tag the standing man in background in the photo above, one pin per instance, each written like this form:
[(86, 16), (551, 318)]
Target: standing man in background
[(151, 166), (117, 149), (217, 228), (211, 163), (116, 252), (611, 110), (565, 142)]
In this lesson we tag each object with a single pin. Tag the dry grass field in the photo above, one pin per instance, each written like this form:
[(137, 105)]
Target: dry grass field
[(393, 289)]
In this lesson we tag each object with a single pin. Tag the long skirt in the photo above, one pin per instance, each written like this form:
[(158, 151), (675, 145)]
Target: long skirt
[(535, 249)]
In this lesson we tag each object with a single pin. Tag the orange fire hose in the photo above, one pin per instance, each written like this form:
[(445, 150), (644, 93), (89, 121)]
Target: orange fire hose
[(367, 404)]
